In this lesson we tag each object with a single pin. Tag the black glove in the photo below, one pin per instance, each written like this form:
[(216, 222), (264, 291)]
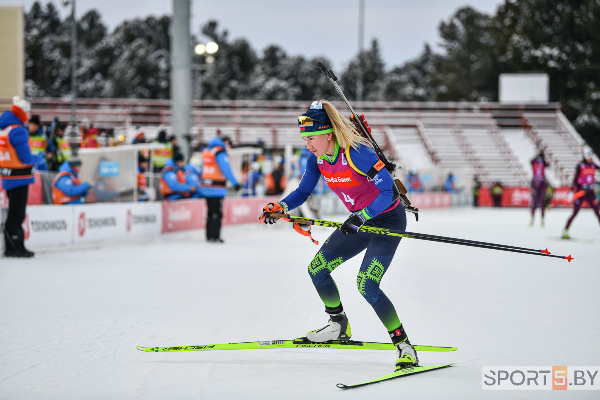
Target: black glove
[(237, 187), (353, 224)]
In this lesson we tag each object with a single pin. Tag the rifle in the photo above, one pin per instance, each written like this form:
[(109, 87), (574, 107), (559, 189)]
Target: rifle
[(365, 130)]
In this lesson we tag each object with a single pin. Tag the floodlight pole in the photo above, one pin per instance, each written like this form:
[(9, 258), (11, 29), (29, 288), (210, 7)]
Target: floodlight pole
[(361, 34), (73, 66), (181, 77)]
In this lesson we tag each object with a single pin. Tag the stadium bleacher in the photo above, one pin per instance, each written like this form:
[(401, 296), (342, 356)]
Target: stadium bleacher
[(491, 140)]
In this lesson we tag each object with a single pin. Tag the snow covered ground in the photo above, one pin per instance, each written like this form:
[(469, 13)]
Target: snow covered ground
[(70, 319)]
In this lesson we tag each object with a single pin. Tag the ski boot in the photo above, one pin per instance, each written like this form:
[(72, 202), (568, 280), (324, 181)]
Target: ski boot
[(338, 328), (407, 355), (566, 235)]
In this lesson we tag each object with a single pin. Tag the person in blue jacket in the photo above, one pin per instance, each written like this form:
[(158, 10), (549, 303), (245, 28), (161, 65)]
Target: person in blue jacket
[(192, 177), (215, 173), (17, 172), (450, 183), (173, 185), (67, 188)]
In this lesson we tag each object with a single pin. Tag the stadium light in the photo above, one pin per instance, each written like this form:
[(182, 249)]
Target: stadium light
[(209, 48), (207, 51)]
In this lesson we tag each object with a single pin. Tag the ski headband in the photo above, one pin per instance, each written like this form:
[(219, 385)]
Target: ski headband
[(314, 121)]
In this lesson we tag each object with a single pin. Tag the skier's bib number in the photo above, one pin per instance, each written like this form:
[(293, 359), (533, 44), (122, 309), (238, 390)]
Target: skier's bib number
[(348, 199)]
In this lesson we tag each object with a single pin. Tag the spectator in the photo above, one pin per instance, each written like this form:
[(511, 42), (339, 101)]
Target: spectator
[(139, 138), (38, 143), (450, 183), (172, 180), (142, 181), (17, 172), (414, 181), (251, 175), (67, 188), (275, 182), (175, 144), (59, 147), (216, 171), (89, 135), (476, 191), (496, 191), (161, 156)]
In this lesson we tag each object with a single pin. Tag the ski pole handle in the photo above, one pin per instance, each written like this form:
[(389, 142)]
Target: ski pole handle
[(288, 217)]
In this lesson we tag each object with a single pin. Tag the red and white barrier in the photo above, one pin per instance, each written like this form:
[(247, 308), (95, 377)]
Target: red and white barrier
[(521, 197), (50, 225)]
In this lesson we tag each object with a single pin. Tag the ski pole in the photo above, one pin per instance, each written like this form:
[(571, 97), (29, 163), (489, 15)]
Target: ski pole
[(414, 235)]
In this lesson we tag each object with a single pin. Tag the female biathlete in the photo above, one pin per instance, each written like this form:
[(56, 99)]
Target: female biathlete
[(354, 172), (539, 185), (584, 180)]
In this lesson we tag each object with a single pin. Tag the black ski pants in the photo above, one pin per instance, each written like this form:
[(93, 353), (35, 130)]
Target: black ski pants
[(214, 217), (17, 204)]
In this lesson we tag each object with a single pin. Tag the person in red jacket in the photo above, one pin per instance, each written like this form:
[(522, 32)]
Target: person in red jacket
[(17, 172)]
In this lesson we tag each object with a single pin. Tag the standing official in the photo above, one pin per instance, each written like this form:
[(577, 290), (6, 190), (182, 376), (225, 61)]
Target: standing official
[(215, 173), (17, 171)]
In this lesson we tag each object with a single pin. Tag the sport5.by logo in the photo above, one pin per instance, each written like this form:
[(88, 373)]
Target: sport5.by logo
[(540, 378), (81, 224)]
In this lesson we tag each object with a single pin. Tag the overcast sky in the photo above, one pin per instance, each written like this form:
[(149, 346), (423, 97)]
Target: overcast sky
[(309, 28)]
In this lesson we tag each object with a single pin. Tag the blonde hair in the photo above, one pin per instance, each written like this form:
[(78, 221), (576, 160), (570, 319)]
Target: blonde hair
[(345, 134)]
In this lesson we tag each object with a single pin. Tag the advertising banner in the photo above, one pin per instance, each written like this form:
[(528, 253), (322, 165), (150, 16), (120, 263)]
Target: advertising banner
[(521, 197), (143, 218), (244, 210), (98, 222), (431, 200), (48, 225), (183, 215)]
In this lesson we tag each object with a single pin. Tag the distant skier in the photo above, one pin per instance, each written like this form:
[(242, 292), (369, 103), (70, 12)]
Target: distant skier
[(355, 173), (539, 185), (584, 180)]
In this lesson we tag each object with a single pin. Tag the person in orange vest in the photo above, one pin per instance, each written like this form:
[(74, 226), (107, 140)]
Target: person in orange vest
[(67, 188), (172, 180), (17, 172), (215, 173), (275, 182)]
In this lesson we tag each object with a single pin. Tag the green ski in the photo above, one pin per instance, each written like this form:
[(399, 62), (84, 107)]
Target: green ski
[(397, 374), (299, 343)]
